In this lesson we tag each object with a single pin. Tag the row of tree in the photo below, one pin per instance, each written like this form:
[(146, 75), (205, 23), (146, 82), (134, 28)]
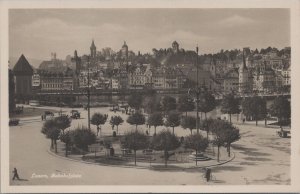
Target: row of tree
[(224, 134)]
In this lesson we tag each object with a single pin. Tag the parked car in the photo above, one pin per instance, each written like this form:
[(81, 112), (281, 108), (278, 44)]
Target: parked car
[(14, 122), (75, 114)]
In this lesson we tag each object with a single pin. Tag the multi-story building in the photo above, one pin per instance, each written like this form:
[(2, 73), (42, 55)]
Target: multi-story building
[(264, 79), (231, 81), (286, 73), (57, 81)]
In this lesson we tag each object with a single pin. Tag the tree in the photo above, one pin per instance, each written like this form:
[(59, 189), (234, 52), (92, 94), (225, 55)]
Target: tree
[(230, 105), (232, 134), (207, 102), (136, 119), (67, 139), (188, 123), (165, 141), (254, 107), (83, 137), (135, 101), (98, 119), (52, 132), (135, 140), (173, 120), (206, 125), (155, 119), (168, 103), (185, 104), (217, 128), (196, 142), (62, 122), (281, 108), (116, 121), (151, 104)]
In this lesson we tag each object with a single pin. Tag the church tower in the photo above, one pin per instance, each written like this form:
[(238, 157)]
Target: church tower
[(93, 50), (243, 76), (124, 51)]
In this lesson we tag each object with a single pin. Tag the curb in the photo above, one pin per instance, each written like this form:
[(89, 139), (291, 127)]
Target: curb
[(137, 167)]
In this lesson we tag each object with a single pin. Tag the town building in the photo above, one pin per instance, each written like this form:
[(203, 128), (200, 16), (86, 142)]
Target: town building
[(231, 81), (23, 72), (264, 79)]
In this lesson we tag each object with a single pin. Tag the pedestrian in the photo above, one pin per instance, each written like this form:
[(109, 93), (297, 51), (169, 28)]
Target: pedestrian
[(147, 133), (15, 172), (42, 117), (243, 120)]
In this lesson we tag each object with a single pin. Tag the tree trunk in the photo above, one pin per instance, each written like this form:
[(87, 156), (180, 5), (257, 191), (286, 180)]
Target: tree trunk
[(66, 153), (135, 127), (173, 130), (135, 157), (207, 133), (55, 144), (117, 129), (196, 156), (191, 131), (155, 130), (230, 117), (166, 158), (218, 153), (266, 121), (51, 143), (228, 148), (205, 115), (255, 121), (185, 114)]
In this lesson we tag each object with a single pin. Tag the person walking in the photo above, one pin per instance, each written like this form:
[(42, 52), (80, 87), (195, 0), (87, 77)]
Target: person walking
[(16, 175)]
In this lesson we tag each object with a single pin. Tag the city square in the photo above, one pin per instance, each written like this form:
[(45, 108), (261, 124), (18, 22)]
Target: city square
[(258, 149)]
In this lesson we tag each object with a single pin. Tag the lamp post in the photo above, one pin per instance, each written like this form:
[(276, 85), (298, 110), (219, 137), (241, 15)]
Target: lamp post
[(196, 93), (88, 95)]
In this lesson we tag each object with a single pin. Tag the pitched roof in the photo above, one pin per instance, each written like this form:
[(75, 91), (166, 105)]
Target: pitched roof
[(23, 66)]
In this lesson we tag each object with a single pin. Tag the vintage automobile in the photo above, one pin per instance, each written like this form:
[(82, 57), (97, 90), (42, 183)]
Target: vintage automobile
[(75, 114), (14, 122)]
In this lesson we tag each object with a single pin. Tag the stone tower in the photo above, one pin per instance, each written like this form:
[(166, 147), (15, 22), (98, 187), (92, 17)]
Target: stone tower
[(23, 77), (93, 50)]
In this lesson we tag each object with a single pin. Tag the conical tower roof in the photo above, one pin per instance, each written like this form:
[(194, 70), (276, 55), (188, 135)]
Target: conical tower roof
[(93, 45), (22, 67)]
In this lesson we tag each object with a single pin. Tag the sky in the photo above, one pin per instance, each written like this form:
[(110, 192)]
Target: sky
[(38, 32)]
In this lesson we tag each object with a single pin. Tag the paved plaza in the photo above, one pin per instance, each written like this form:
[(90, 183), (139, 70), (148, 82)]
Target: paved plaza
[(261, 157)]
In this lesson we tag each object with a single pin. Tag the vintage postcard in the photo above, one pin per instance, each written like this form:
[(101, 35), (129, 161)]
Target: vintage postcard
[(136, 96)]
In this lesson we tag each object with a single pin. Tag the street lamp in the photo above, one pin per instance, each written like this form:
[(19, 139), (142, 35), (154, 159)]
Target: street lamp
[(88, 95), (196, 92)]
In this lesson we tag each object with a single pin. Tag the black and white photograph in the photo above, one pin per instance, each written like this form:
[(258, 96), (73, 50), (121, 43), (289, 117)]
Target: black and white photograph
[(148, 96)]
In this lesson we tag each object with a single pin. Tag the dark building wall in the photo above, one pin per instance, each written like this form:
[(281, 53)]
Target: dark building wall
[(23, 85), (12, 104)]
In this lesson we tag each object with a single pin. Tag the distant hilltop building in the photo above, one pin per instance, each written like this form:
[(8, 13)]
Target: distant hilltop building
[(53, 64), (124, 51), (23, 72), (175, 47), (93, 49)]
